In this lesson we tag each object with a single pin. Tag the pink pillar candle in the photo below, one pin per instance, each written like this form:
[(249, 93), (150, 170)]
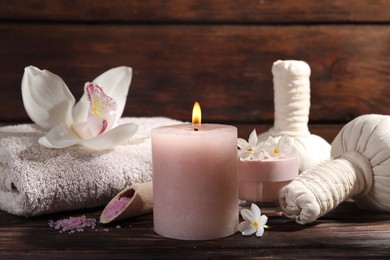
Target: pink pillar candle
[(195, 190)]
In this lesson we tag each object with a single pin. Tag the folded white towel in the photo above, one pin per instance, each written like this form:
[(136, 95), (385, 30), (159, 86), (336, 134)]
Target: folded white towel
[(35, 180)]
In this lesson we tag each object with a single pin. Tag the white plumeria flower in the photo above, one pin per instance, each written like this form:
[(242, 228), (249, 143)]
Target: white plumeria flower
[(91, 122), (253, 222), (278, 147), (249, 150)]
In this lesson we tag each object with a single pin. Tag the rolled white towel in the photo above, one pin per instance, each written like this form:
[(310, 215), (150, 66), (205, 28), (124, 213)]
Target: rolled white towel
[(35, 180)]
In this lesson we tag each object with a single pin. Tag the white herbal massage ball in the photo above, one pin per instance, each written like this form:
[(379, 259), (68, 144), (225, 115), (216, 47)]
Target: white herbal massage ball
[(292, 104), (359, 169)]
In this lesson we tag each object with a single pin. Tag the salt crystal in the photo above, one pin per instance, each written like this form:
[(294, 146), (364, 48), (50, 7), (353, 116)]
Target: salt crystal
[(73, 224), (116, 206)]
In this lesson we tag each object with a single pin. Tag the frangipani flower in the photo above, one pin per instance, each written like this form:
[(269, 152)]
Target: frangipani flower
[(278, 147), (91, 122), (249, 150), (253, 222)]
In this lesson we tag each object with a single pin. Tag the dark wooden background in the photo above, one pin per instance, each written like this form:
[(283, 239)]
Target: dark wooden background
[(217, 52)]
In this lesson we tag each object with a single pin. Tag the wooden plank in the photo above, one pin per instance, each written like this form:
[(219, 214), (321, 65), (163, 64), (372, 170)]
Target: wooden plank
[(198, 11), (226, 68), (345, 232)]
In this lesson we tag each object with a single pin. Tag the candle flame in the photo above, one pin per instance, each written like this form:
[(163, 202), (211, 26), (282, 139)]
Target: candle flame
[(196, 115)]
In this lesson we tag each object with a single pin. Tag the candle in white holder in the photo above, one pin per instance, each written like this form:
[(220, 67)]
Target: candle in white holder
[(195, 189)]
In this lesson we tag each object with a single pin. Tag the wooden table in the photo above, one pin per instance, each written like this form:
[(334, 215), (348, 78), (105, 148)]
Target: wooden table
[(346, 232)]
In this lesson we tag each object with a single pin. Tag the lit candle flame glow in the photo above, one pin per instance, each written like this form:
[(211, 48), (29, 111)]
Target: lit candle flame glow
[(196, 116)]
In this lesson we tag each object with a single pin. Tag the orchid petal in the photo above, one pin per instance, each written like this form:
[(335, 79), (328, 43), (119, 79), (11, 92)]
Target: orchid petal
[(242, 226), (272, 141), (94, 126), (253, 138), (115, 83), (83, 129), (100, 103), (263, 219), (247, 214), (249, 232), (246, 228), (260, 231), (80, 110), (242, 144), (60, 136), (46, 98), (255, 210), (244, 155), (112, 138)]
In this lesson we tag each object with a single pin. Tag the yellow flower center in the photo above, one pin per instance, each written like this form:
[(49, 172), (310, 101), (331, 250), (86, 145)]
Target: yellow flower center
[(249, 149), (276, 151), (255, 223), (96, 108)]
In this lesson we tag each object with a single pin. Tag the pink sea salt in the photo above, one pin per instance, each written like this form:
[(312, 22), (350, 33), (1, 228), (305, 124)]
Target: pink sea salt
[(73, 224), (116, 206)]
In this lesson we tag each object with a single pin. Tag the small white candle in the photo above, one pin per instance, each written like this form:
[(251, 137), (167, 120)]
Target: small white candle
[(195, 190)]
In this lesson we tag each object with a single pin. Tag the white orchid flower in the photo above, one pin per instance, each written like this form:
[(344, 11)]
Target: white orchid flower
[(253, 222), (249, 150), (91, 122)]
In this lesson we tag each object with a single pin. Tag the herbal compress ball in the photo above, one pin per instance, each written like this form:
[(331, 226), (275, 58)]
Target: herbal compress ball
[(292, 105), (360, 169)]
